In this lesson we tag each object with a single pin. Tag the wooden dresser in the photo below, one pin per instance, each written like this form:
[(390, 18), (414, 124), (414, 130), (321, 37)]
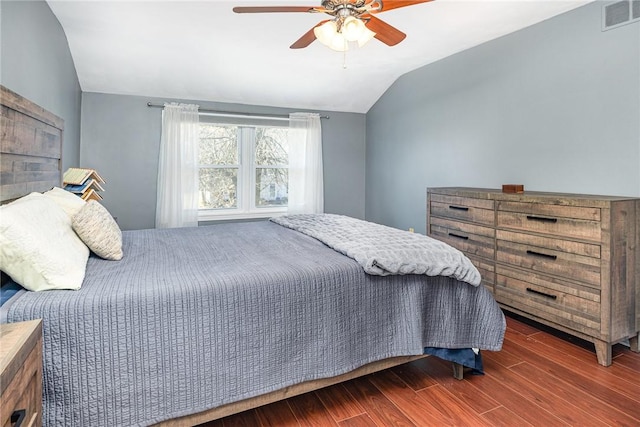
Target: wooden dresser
[(569, 261), (21, 374)]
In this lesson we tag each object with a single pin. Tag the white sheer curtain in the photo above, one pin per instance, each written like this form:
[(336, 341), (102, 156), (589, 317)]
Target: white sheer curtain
[(306, 191), (177, 202)]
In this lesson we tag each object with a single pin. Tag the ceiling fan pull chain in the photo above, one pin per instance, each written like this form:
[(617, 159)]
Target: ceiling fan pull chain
[(344, 58)]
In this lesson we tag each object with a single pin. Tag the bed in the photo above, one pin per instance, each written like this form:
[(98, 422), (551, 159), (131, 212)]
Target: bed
[(198, 323)]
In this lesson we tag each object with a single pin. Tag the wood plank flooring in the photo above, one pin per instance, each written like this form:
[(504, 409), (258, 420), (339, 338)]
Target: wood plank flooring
[(540, 378)]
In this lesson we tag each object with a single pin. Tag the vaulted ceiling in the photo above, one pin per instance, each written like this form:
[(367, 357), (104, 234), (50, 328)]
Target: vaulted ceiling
[(202, 50)]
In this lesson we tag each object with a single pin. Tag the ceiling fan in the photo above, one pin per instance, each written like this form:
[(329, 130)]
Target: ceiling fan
[(353, 21)]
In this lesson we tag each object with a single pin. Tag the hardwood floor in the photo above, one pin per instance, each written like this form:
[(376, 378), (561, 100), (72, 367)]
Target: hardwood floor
[(538, 379)]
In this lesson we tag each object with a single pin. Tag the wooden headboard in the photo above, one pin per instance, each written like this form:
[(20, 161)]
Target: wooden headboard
[(30, 147)]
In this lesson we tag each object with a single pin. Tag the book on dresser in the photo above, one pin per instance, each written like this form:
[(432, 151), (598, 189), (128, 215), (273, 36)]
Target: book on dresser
[(569, 261)]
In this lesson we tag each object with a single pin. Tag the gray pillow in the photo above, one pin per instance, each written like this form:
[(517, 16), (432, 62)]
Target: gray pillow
[(98, 230)]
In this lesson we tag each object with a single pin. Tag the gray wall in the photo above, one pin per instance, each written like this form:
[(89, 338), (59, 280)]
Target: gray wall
[(36, 63), (555, 107), (121, 139)]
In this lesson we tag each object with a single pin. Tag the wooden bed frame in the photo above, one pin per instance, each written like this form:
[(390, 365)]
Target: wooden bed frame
[(31, 152), (30, 149)]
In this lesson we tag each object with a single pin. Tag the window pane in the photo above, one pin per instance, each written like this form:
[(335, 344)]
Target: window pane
[(218, 145), (272, 186), (272, 146), (218, 188)]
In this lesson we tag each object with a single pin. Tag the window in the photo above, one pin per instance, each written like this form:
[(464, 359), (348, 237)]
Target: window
[(244, 170)]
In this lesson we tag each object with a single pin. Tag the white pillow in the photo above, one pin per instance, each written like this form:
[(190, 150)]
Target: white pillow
[(98, 230), (68, 201), (38, 247)]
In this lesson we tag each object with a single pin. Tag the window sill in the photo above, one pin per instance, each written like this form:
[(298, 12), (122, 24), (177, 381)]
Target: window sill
[(206, 216)]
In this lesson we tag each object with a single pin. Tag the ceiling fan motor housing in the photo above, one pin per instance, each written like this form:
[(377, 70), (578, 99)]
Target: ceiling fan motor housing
[(337, 4)]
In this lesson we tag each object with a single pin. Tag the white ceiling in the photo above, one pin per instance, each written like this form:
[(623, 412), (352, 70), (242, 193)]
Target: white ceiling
[(204, 51)]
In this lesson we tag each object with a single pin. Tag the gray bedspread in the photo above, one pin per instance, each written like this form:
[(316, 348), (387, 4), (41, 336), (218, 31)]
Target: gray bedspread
[(194, 318), (383, 250)]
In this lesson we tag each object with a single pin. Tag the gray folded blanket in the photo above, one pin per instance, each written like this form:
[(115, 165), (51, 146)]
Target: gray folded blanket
[(383, 250)]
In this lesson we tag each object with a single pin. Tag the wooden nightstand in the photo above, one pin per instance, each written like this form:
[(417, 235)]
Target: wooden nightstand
[(21, 373)]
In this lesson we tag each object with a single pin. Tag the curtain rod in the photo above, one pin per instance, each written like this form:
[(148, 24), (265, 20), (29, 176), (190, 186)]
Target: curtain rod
[(237, 114)]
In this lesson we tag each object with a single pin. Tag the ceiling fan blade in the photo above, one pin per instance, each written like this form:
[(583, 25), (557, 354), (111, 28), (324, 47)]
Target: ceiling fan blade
[(270, 9), (307, 38), (384, 32), (393, 4)]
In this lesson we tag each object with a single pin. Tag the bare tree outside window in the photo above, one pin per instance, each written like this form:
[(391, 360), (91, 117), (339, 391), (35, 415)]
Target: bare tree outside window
[(221, 166), (272, 171)]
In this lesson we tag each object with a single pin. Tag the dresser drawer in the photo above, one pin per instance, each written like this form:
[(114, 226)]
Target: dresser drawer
[(569, 304), (479, 211), (565, 221), (548, 300), (469, 238), (27, 405), (571, 260), (486, 270)]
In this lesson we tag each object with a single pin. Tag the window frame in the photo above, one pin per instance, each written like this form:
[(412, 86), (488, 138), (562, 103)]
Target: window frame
[(246, 184)]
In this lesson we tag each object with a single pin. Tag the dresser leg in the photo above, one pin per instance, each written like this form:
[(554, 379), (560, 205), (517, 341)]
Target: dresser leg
[(603, 351), (633, 343)]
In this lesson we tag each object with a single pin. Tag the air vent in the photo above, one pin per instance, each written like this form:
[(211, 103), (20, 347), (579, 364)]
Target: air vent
[(620, 13)]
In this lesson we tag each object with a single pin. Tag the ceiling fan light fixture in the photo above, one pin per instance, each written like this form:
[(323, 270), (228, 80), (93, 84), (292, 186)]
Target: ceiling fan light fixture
[(367, 35), (339, 43), (328, 35), (325, 32), (353, 28)]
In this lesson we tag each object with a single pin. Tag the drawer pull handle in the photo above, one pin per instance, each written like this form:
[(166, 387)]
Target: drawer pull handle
[(18, 417), (533, 291), (458, 236), (540, 254), (541, 219), (458, 208)]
